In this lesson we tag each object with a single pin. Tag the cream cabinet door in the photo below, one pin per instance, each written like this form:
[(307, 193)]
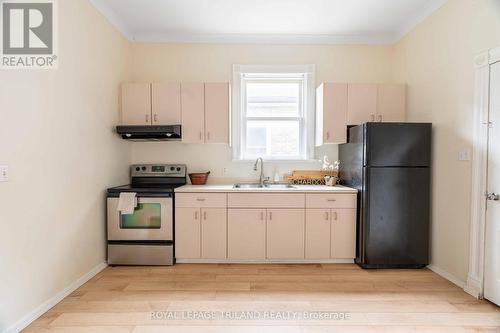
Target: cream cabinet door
[(361, 103), (193, 112), (216, 112), (331, 113), (246, 234), (166, 103), (187, 233), (213, 233), (136, 104), (391, 102), (318, 233), (285, 233), (343, 234)]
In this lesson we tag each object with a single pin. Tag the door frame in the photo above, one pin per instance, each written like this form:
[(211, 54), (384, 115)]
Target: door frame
[(475, 278)]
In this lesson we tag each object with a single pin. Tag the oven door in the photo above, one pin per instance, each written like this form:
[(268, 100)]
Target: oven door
[(152, 220)]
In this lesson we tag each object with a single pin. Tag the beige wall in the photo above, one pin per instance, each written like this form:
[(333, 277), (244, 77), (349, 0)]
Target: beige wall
[(213, 62), (436, 61), (56, 136)]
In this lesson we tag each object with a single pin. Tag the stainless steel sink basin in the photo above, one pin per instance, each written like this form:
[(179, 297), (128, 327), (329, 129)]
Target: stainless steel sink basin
[(279, 186), (248, 186), (256, 185)]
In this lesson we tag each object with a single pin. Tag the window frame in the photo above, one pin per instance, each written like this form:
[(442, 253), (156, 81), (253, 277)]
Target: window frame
[(243, 74)]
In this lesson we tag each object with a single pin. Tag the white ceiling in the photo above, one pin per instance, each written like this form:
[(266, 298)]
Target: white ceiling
[(266, 21)]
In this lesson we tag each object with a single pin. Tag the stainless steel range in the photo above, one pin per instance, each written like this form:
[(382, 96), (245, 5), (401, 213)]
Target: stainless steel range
[(146, 235)]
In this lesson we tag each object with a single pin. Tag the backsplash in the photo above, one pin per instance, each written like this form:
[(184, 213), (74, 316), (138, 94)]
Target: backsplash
[(217, 159)]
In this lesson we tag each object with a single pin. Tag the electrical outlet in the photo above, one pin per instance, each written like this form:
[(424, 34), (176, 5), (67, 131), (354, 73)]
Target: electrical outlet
[(464, 155), (224, 171), (4, 173)]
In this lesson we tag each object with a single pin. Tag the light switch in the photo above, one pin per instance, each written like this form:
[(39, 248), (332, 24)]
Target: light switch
[(464, 155), (4, 173)]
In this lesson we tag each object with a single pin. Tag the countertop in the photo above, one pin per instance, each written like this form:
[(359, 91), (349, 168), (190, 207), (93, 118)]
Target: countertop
[(297, 188)]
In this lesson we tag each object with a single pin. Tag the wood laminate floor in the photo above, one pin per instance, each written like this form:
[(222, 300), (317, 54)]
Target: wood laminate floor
[(269, 299)]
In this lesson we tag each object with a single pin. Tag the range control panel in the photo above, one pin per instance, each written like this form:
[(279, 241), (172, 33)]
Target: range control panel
[(158, 170)]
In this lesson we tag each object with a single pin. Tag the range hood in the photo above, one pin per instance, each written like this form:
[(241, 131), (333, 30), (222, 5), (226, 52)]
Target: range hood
[(150, 133)]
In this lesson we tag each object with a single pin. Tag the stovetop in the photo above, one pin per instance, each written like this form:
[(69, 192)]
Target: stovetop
[(153, 179)]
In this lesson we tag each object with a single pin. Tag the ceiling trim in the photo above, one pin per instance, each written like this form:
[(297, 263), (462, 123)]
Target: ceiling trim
[(425, 13), (112, 18), (368, 39), (264, 38)]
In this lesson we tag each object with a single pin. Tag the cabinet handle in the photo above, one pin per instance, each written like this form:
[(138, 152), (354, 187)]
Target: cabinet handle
[(200, 199), (196, 215), (331, 200), (262, 216), (270, 215), (326, 216), (205, 216), (380, 118), (335, 216), (155, 118), (147, 118), (328, 135), (208, 136), (373, 117), (201, 136)]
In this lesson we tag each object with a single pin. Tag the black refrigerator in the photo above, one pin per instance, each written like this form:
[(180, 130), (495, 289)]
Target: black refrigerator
[(390, 166)]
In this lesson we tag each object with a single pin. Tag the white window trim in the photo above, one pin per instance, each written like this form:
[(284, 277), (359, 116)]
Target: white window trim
[(237, 110)]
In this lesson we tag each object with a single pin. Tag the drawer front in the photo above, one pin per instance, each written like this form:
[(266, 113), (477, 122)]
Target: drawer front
[(331, 200), (214, 200), (266, 200)]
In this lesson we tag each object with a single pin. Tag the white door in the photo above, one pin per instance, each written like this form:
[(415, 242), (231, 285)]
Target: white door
[(492, 254), (285, 233), (246, 234)]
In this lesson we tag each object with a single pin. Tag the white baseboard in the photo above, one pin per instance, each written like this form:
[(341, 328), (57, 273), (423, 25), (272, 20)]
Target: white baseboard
[(44, 307), (473, 287), (265, 261), (448, 276)]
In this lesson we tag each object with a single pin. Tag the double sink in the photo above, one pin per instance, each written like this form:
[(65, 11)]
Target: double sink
[(265, 185)]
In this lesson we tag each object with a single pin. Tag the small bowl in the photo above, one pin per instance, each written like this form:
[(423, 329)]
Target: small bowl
[(199, 178)]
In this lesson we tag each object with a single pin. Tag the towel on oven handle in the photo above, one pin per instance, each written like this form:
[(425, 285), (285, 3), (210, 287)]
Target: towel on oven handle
[(127, 202)]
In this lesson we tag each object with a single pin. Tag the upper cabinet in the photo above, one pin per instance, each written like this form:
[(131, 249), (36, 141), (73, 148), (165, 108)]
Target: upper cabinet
[(391, 102), (193, 112), (361, 103), (216, 112), (339, 105), (201, 108), (331, 113), (166, 103), (136, 104)]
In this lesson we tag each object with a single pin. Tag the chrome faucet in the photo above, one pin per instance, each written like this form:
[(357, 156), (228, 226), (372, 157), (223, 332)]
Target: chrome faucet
[(262, 179)]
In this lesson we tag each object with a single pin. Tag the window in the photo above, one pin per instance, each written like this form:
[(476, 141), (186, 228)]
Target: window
[(272, 108)]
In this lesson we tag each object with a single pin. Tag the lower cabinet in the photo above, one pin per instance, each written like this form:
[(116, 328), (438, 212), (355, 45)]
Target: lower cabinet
[(343, 234), (330, 233), (187, 233), (200, 233), (318, 231), (285, 233), (246, 234)]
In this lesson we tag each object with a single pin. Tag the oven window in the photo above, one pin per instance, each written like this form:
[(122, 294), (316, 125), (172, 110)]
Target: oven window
[(145, 216)]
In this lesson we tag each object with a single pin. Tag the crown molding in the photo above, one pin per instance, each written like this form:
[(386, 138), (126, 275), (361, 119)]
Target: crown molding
[(382, 38), (424, 14), (112, 18), (372, 39)]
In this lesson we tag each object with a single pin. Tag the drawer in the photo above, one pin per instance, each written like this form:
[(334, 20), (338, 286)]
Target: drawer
[(266, 200), (331, 200), (200, 200)]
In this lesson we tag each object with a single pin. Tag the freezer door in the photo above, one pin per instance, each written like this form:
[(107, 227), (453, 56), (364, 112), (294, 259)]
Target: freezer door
[(397, 144), (396, 214)]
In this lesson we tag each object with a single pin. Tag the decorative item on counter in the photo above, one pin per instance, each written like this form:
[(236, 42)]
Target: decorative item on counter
[(307, 177), (199, 178), (332, 168)]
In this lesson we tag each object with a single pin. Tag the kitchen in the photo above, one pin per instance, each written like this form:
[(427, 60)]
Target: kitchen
[(414, 78)]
